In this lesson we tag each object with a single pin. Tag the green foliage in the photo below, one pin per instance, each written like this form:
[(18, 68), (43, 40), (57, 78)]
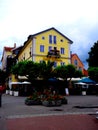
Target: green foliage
[(19, 68), (61, 71), (93, 73), (46, 69), (32, 70), (71, 70), (26, 68), (65, 71), (93, 55), (78, 73)]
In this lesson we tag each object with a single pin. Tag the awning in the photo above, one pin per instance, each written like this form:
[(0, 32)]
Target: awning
[(87, 81)]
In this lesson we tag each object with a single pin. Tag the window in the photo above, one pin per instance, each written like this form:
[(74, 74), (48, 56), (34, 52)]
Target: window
[(75, 62), (50, 38), (43, 37), (61, 40), (55, 64), (50, 48), (80, 68), (24, 56), (41, 61), (62, 50), (54, 39), (62, 63), (30, 51), (41, 48)]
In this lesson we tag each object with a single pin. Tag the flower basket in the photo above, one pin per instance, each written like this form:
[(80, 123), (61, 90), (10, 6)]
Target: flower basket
[(51, 99)]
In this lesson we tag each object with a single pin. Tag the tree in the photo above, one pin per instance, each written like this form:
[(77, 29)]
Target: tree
[(78, 73), (32, 70), (93, 56), (93, 62), (46, 69), (61, 72), (71, 71), (65, 71), (93, 73), (26, 68)]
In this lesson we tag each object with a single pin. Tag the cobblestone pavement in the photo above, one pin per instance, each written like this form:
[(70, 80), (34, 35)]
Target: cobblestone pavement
[(15, 114)]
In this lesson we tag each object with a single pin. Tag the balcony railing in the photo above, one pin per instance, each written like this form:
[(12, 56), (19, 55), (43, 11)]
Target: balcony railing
[(54, 53)]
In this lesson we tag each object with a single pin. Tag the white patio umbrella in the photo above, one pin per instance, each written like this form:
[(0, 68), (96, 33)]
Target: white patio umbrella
[(81, 83), (15, 83), (25, 82)]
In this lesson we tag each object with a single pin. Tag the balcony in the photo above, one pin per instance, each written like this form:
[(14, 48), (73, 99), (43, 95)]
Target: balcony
[(53, 53)]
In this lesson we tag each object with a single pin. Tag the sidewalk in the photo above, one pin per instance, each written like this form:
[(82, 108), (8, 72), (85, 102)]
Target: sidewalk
[(15, 115), (56, 122)]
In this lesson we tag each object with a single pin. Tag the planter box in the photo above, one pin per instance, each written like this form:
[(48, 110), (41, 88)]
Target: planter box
[(33, 102), (64, 101), (16, 93), (52, 103), (58, 103)]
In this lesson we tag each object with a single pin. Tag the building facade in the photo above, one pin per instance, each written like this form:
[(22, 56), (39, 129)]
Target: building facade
[(75, 60), (47, 45), (7, 57)]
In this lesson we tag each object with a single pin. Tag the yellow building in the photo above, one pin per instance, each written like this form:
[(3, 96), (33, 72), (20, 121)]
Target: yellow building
[(47, 45)]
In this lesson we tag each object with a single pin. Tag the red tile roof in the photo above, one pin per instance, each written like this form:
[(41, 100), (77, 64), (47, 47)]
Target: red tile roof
[(8, 48)]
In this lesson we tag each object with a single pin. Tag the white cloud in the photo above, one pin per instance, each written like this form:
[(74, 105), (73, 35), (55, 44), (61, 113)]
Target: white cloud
[(76, 19)]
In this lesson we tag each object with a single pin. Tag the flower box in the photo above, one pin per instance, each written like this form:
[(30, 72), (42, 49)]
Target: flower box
[(64, 100), (58, 103), (51, 103), (32, 102)]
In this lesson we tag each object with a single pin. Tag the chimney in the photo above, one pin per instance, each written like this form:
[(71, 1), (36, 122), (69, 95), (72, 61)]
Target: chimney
[(14, 45)]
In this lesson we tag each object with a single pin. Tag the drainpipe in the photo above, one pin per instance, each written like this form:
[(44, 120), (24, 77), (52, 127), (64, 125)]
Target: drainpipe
[(33, 48)]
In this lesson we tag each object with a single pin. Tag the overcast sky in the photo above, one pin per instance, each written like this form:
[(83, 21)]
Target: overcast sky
[(76, 19)]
